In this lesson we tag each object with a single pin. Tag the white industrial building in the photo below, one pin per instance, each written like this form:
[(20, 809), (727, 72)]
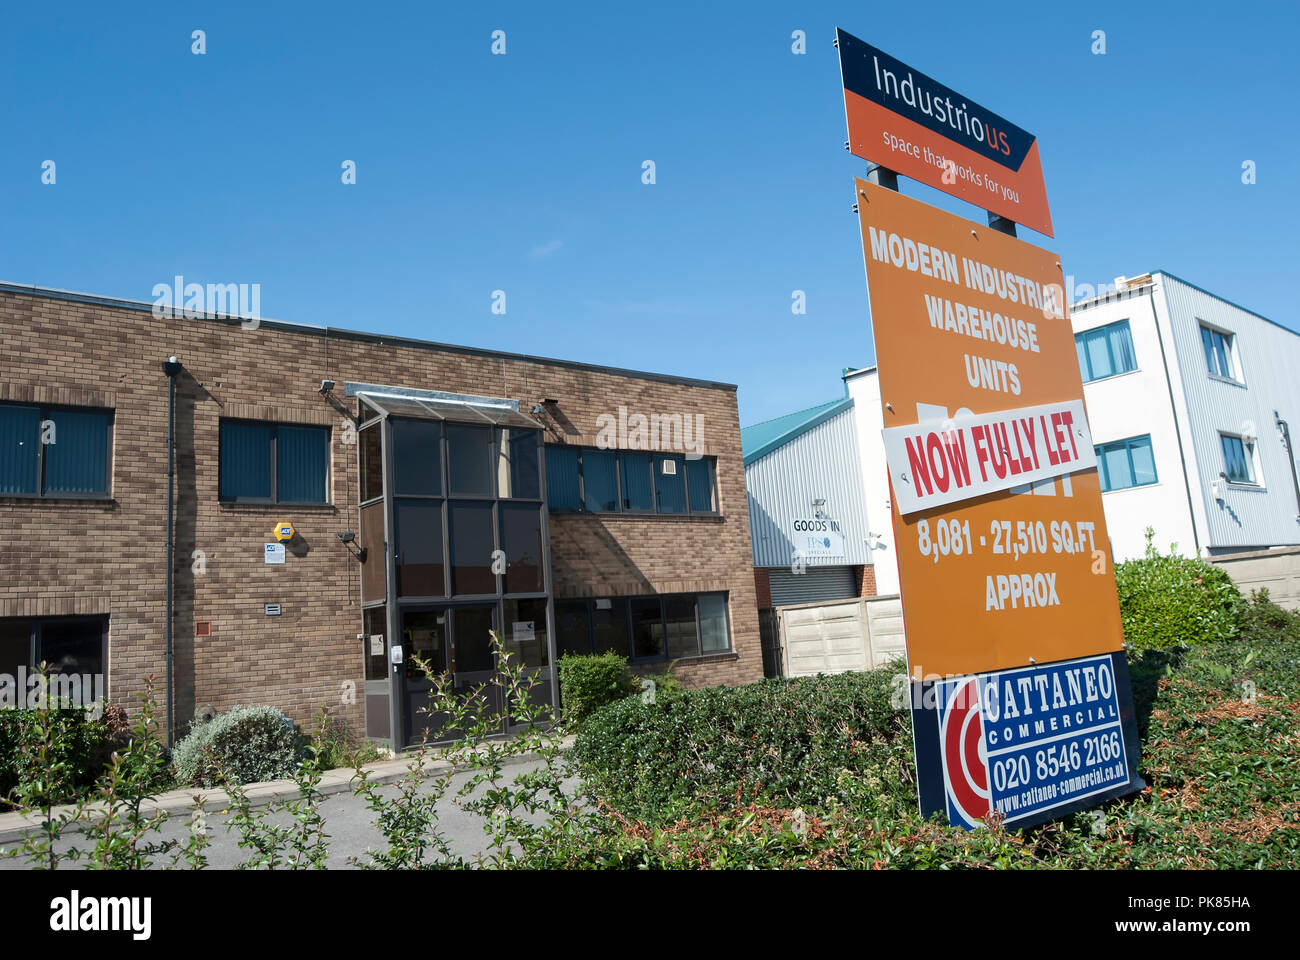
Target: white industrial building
[(1190, 399), (807, 514)]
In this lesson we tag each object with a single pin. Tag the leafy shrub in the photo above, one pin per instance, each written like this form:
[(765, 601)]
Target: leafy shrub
[(1172, 601), (246, 744), (335, 745), (588, 683), (807, 741), (666, 684), (73, 757)]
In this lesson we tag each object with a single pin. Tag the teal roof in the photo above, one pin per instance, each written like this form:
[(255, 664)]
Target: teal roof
[(762, 438)]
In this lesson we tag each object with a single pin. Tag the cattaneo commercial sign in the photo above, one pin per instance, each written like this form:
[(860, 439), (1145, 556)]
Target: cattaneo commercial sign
[(909, 123), (1020, 690)]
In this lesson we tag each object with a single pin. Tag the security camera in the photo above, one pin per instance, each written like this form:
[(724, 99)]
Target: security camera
[(326, 386)]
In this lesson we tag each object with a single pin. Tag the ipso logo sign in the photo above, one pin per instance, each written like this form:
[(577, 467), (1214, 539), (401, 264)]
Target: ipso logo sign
[(818, 537)]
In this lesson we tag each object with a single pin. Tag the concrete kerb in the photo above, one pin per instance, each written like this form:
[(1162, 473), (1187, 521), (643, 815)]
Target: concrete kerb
[(13, 826)]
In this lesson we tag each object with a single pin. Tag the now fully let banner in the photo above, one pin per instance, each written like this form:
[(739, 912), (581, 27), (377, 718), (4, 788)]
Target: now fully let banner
[(967, 456)]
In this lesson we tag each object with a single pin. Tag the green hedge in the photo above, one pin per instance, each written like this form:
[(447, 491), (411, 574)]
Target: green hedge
[(808, 741), (1172, 601), (588, 683), (78, 747)]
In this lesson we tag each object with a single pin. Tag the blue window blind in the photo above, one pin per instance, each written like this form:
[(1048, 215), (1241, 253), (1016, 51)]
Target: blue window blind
[(670, 484), (301, 464), (600, 480), (562, 493), (77, 459), (300, 456), (20, 439), (1105, 351), (638, 494), (699, 481), (1238, 462), (1126, 463), (54, 452), (245, 472)]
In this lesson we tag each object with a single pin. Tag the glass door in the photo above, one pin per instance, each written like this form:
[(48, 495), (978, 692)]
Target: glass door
[(425, 634), (472, 661)]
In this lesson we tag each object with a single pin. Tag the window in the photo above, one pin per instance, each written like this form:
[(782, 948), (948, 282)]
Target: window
[(372, 463), (517, 474), (647, 628), (419, 560), (681, 629), (714, 635), (657, 627), (609, 626), (572, 627), (54, 452), (699, 481), (1106, 351), (1126, 463), (525, 631), (417, 457), (1219, 353), (470, 528), (70, 647), (521, 541), (670, 484), (638, 481), (1238, 459), (469, 460), (273, 463), (374, 623), (600, 480), (563, 484), (590, 480)]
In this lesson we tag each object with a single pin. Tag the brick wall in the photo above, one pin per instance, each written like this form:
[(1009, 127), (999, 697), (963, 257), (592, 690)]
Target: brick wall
[(109, 556), (866, 579), (763, 588)]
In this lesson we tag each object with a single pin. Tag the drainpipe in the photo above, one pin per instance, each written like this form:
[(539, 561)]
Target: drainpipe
[(171, 366), (1285, 430)]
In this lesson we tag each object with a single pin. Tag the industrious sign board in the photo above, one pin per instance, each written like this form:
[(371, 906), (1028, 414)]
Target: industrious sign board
[(1003, 554), (903, 120)]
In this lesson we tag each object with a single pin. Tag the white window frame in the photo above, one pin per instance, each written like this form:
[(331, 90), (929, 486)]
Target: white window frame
[(1234, 355)]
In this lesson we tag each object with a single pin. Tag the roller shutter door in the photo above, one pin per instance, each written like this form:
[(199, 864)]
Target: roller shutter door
[(814, 584)]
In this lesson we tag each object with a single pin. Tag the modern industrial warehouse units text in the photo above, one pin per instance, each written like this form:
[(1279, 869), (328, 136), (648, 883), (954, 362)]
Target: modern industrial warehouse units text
[(344, 501)]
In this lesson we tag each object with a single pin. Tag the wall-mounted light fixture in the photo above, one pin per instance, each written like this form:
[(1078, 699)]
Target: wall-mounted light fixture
[(348, 539), (326, 386)]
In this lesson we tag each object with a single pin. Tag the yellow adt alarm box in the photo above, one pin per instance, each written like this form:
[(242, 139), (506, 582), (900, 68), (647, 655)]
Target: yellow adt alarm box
[(283, 531)]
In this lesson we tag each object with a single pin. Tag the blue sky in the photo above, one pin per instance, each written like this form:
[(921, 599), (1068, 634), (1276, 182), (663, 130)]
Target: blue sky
[(523, 172)]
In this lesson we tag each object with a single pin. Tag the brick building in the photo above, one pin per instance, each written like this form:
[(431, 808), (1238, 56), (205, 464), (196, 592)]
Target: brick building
[(483, 489)]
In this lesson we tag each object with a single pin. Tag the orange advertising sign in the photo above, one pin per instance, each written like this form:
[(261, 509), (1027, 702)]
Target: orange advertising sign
[(1002, 547), (907, 122)]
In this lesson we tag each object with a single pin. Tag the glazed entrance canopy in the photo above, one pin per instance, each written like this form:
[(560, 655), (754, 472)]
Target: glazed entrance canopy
[(430, 405)]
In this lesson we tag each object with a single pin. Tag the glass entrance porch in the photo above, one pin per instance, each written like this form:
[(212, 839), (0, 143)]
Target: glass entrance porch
[(453, 525)]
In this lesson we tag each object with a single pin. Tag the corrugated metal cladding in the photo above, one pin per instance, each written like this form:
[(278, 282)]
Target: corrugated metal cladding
[(1269, 358), (821, 464), (814, 584)]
